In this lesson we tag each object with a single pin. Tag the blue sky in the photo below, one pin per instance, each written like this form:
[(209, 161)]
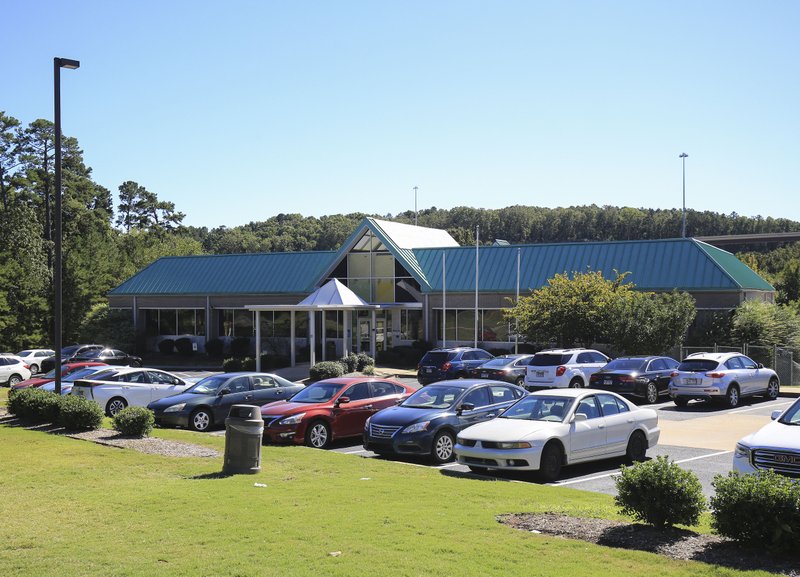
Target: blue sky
[(240, 110)]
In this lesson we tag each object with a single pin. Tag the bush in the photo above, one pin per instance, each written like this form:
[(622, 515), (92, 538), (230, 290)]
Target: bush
[(184, 346), (134, 421), (350, 362), (660, 493), (758, 510), (34, 404), (78, 413), (215, 347), (240, 347), (326, 370), (249, 364), (232, 365), (369, 370), (166, 346), (363, 360)]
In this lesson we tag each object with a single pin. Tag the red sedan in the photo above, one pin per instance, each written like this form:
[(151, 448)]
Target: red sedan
[(329, 410), (66, 369)]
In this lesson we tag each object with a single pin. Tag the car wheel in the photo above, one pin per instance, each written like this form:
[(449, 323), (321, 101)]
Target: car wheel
[(442, 450), (520, 381), (732, 396), (13, 380), (318, 435), (652, 393), (680, 402), (201, 420), (637, 448), (34, 368), (773, 389), (551, 463), (478, 470), (115, 405), (576, 383)]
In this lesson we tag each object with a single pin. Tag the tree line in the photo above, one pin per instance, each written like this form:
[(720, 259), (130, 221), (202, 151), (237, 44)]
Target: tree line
[(108, 237)]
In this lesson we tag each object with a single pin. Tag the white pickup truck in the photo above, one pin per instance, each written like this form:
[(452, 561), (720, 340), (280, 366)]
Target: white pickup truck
[(128, 386)]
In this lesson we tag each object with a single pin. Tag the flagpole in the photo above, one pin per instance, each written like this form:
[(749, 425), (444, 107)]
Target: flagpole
[(477, 236), (516, 304), (444, 302)]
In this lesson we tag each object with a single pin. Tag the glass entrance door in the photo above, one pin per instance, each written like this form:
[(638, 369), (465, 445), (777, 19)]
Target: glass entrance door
[(363, 336)]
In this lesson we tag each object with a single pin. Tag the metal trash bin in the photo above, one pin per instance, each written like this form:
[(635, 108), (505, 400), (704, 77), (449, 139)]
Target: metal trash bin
[(244, 429)]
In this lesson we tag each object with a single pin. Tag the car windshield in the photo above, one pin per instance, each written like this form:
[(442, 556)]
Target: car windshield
[(792, 416), (698, 365), (50, 375), (209, 385), (625, 365), (92, 354), (24, 353), (539, 408), (433, 397), (67, 351), (437, 357), (549, 359), (317, 393)]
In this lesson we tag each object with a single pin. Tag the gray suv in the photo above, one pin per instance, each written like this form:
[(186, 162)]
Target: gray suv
[(725, 377)]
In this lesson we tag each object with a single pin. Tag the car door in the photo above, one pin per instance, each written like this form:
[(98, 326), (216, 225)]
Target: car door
[(239, 392), (134, 387), (265, 390), (736, 372), (482, 410), (385, 395), (619, 424), (164, 385), (349, 417), (757, 379), (478, 358), (5, 370), (587, 437)]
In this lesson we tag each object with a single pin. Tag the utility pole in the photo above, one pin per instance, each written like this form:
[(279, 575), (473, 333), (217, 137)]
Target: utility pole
[(415, 205), (683, 156)]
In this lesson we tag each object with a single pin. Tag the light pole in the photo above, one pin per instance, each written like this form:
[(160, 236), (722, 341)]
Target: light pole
[(415, 205), (683, 156), (58, 64)]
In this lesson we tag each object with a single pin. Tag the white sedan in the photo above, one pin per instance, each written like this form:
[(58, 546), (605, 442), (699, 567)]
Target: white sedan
[(121, 387), (549, 429), (775, 446)]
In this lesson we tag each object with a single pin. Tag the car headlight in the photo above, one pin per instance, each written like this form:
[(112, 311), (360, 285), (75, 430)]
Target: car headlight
[(417, 427), (366, 423), (514, 445), (742, 451), (175, 408), (293, 420)]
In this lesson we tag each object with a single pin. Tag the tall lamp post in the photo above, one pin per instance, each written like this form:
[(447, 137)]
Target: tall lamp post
[(683, 156), (58, 64)]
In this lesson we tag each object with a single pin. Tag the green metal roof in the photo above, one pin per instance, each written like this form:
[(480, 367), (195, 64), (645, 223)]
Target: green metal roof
[(272, 273), (657, 265)]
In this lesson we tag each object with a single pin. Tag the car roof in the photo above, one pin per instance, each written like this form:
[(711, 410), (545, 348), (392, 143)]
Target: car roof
[(572, 393), (468, 383), (353, 380), (565, 351), (713, 356)]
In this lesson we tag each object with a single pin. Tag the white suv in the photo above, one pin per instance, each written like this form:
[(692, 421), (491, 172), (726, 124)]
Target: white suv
[(13, 370), (33, 358), (563, 368)]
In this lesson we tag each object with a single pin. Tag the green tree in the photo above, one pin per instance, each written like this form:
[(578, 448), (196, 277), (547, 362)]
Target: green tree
[(651, 323), (141, 209), (9, 153), (766, 324)]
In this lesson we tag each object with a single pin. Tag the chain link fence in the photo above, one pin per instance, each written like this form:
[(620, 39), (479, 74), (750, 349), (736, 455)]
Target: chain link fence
[(778, 359)]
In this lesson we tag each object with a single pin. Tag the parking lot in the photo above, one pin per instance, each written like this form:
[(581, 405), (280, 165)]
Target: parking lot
[(700, 437)]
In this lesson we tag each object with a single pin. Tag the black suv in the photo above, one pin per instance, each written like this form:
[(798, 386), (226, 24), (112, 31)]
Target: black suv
[(455, 363)]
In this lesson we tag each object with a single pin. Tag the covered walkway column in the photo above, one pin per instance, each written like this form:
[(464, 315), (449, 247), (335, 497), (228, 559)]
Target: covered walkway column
[(372, 333), (258, 341), (324, 337), (347, 340), (312, 339), (292, 360)]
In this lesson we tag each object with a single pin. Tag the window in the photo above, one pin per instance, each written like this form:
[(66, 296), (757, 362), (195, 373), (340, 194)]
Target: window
[(622, 406), (588, 407), (382, 389), (584, 358), (748, 363), (186, 324), (478, 397), (658, 365), (358, 392), (502, 394), (482, 355), (410, 325), (162, 378), (261, 383), (167, 322), (238, 385), (608, 404), (733, 363)]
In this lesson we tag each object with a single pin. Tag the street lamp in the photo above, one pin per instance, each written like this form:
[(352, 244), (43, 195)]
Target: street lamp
[(58, 64), (683, 156)]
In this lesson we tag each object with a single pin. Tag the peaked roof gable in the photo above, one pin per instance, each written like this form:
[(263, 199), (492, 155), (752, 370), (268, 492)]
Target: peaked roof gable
[(657, 265), (333, 293)]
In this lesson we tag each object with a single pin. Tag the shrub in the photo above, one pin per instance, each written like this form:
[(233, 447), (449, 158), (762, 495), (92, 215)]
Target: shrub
[(660, 493), (350, 362), (34, 404), (758, 510), (363, 360), (240, 347), (215, 347), (166, 346), (232, 365), (134, 421), (79, 414), (249, 364), (184, 346), (326, 370), (369, 370)]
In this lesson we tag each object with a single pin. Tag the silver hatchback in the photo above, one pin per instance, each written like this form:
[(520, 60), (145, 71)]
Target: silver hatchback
[(725, 377)]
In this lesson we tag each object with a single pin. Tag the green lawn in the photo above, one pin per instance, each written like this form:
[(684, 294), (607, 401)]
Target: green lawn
[(75, 508)]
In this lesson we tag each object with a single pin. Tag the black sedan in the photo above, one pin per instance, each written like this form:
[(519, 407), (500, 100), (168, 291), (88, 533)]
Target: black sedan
[(642, 378), (67, 354), (428, 421), (208, 401), (508, 368), (109, 357)]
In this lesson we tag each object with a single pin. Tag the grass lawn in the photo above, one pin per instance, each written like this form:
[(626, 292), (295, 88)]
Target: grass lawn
[(75, 508)]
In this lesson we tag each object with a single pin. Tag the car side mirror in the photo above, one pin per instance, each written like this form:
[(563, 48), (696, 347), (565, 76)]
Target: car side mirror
[(465, 407), (342, 401), (578, 417), (224, 392), (775, 414), (760, 366)]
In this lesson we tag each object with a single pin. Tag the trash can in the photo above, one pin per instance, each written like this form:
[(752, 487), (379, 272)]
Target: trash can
[(244, 428)]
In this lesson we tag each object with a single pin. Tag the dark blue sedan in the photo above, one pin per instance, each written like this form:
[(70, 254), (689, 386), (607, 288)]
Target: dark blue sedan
[(427, 422), (208, 402)]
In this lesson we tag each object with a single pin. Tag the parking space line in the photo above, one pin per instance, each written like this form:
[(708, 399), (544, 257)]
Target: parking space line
[(761, 407), (717, 454), (448, 465), (356, 452)]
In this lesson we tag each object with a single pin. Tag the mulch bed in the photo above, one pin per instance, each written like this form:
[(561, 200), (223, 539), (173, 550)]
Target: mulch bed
[(671, 542)]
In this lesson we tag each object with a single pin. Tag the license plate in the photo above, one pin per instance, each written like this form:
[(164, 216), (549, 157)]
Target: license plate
[(539, 373), (429, 370), (484, 375), (691, 381), (607, 382)]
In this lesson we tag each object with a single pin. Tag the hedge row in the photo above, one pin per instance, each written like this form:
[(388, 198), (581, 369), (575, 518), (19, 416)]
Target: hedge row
[(352, 363), (71, 412)]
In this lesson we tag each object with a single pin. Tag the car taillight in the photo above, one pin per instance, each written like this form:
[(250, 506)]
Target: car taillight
[(715, 375), (561, 370), (446, 366), (626, 378), (594, 377)]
